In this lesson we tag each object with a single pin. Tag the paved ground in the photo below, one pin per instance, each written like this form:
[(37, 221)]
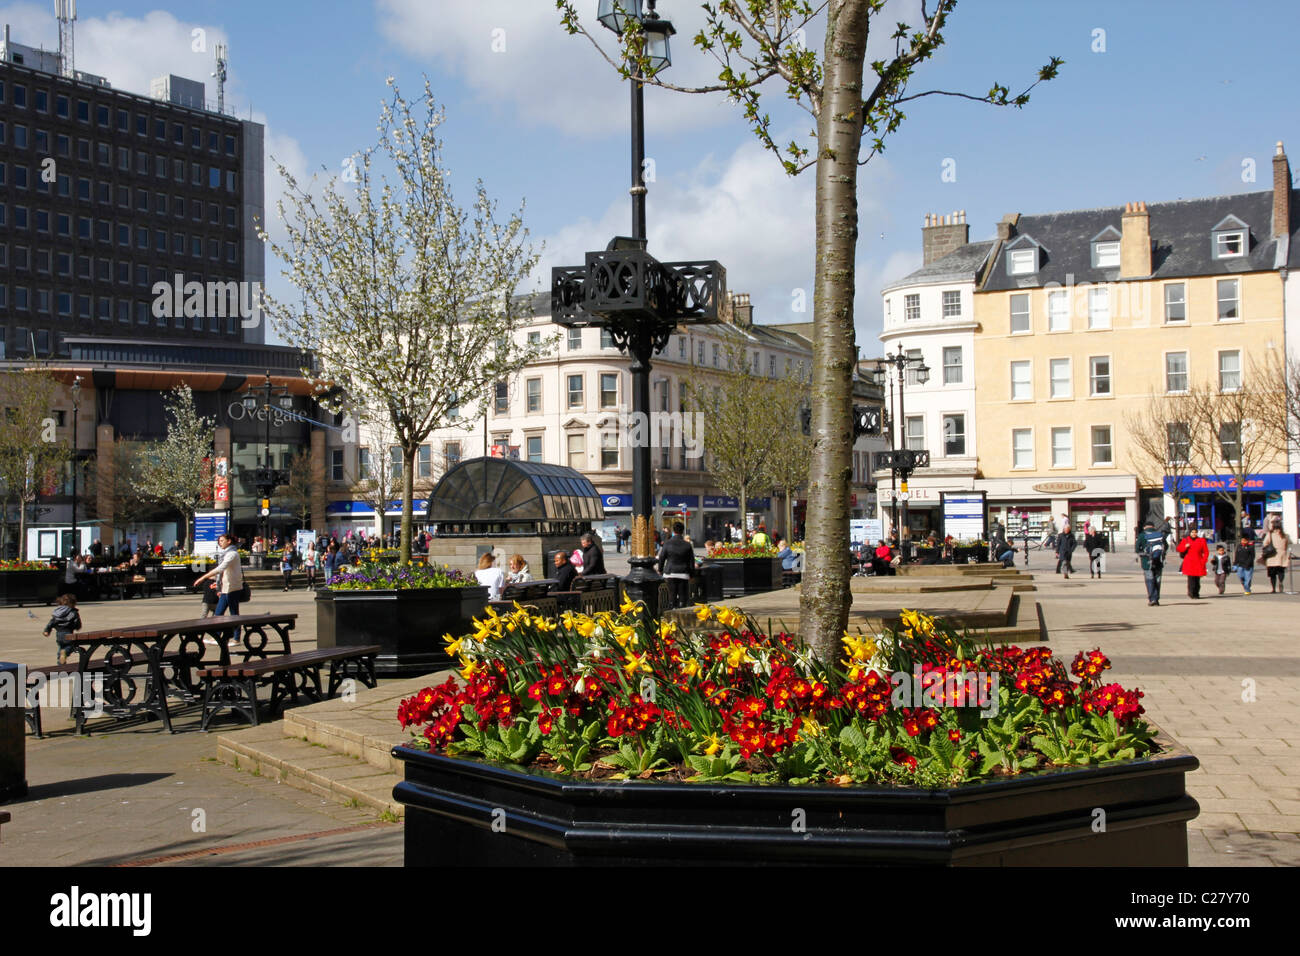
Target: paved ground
[(1221, 674)]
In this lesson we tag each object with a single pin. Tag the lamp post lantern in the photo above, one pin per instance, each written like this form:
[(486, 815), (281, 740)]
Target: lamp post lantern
[(639, 300), (902, 461), (76, 397)]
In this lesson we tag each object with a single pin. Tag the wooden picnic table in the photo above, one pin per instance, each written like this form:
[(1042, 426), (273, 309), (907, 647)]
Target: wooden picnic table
[(126, 656)]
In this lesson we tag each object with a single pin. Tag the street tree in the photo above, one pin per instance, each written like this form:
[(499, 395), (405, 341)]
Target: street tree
[(792, 449), (177, 470), (1239, 432), (1160, 432), (742, 414), (30, 453), (855, 106), (406, 299)]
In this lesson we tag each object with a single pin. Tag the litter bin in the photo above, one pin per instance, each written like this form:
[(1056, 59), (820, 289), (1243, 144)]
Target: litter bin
[(13, 732), (708, 584)]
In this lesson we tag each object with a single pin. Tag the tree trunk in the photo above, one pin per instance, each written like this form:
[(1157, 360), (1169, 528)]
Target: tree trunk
[(22, 530), (824, 598), (744, 513), (408, 499)]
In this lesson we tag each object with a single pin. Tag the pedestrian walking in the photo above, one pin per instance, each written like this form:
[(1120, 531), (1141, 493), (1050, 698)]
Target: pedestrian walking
[(1196, 555), (676, 562), (286, 567), (1220, 564), (229, 575), (593, 557), (63, 622), (618, 539), (1276, 552), (1065, 545), (1150, 546), (1094, 547), (1243, 561)]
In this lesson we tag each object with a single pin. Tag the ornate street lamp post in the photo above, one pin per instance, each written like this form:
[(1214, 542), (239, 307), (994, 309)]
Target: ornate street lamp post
[(901, 461), (266, 478), (638, 299)]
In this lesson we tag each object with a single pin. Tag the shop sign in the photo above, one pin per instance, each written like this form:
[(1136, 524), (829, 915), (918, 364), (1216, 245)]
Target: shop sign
[(1059, 487)]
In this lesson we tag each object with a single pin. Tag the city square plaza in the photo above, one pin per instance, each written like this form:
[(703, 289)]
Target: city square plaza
[(313, 786)]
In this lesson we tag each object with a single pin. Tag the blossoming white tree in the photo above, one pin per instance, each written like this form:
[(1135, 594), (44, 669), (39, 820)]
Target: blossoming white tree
[(406, 299)]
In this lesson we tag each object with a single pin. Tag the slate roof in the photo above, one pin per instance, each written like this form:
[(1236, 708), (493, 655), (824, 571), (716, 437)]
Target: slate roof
[(1181, 234), (961, 265)]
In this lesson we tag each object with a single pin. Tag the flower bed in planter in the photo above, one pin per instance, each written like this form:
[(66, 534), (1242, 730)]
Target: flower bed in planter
[(28, 582), (406, 610), (599, 740), (746, 569)]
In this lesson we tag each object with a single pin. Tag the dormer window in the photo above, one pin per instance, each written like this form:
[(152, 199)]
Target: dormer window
[(1228, 245), (1022, 261), (1105, 249), (1230, 238)]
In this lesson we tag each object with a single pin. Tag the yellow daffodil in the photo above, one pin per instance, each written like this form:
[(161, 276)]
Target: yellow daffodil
[(635, 663), (628, 605), (586, 626), (453, 645), (729, 618), (859, 648), (690, 667), (469, 670), (714, 745), (703, 613), (625, 636), (667, 628), (738, 654), (810, 727)]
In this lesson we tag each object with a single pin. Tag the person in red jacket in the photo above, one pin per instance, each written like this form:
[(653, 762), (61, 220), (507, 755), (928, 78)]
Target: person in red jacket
[(1196, 554)]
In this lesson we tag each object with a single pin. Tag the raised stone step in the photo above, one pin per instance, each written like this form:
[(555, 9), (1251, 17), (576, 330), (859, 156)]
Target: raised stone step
[(265, 750)]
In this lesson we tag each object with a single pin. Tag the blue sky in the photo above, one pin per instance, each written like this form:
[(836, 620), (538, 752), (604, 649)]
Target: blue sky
[(1183, 93)]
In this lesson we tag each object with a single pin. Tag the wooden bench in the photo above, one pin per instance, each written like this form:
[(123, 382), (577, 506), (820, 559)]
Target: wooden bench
[(120, 663), (234, 686)]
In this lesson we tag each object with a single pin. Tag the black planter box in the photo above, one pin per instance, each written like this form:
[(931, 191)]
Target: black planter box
[(408, 624), (462, 812), (741, 576), (29, 587)]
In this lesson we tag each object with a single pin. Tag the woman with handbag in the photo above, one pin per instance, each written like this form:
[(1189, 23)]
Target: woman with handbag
[(230, 578), (1276, 553)]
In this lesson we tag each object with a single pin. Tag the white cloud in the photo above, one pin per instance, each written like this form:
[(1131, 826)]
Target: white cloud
[(758, 223), (519, 60)]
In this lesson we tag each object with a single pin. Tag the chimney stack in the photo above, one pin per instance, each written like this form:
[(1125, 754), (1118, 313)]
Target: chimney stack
[(742, 313), (943, 234), (1281, 193), (1135, 242), (1007, 227)]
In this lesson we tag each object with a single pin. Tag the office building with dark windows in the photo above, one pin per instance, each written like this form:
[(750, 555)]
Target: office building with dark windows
[(123, 215)]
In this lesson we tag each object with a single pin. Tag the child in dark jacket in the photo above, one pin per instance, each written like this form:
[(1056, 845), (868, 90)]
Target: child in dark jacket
[(63, 622), (1221, 565)]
